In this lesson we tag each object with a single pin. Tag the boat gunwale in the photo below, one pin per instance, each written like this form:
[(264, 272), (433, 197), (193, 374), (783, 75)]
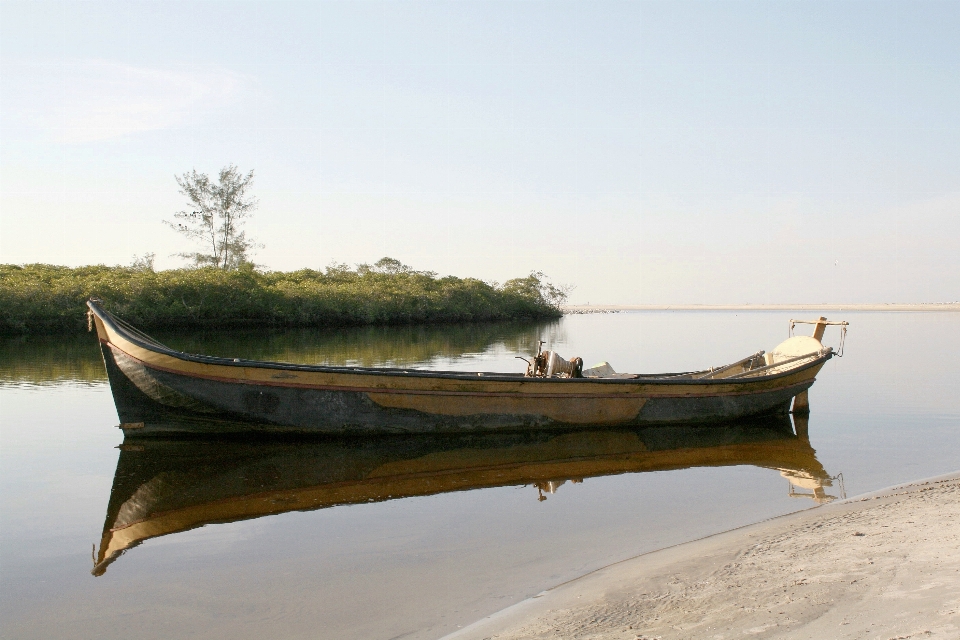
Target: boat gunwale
[(476, 376)]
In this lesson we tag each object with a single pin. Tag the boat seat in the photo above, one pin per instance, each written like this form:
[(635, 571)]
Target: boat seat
[(604, 370)]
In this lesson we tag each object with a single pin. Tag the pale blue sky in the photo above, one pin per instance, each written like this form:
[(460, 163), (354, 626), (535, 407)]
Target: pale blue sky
[(645, 152)]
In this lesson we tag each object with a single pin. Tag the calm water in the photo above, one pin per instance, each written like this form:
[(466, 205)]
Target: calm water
[(387, 548)]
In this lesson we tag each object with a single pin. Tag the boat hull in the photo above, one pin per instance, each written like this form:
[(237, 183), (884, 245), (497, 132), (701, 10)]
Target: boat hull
[(149, 379)]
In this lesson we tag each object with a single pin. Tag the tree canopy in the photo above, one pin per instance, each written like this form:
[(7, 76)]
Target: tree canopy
[(218, 213)]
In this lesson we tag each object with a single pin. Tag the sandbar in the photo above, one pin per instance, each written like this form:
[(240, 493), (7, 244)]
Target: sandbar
[(883, 565), (893, 306)]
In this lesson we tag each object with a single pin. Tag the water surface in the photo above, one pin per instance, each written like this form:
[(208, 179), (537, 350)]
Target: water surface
[(413, 538)]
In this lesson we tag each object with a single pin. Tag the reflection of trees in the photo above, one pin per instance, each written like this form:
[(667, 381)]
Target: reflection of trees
[(55, 359), (368, 346), (553, 334), (41, 360)]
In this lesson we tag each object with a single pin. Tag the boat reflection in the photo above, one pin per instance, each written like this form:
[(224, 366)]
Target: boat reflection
[(164, 486)]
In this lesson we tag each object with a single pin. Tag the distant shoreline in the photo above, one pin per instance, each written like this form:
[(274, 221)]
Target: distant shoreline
[(607, 308)]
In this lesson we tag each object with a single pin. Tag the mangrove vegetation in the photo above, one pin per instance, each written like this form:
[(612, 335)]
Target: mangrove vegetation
[(40, 298)]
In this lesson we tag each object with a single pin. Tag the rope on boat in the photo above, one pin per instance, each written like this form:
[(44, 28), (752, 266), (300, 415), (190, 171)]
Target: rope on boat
[(95, 300), (126, 326), (767, 368), (843, 337), (140, 334)]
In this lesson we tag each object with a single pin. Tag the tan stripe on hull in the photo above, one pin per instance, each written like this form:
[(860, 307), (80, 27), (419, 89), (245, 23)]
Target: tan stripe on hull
[(417, 388), (575, 410)]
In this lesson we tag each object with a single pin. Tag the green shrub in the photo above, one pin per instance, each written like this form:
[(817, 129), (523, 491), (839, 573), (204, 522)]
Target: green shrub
[(40, 298)]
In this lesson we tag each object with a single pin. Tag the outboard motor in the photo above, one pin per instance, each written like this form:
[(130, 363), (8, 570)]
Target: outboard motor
[(547, 364)]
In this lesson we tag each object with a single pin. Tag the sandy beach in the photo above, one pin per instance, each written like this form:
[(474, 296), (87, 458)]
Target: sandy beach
[(883, 565)]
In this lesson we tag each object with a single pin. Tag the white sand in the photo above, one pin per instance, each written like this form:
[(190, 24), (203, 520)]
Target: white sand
[(882, 566)]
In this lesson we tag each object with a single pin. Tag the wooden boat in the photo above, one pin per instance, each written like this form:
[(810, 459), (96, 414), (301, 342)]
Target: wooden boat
[(148, 378), (165, 486)]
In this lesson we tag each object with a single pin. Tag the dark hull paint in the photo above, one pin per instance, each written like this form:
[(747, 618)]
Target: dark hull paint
[(215, 395), (278, 409)]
